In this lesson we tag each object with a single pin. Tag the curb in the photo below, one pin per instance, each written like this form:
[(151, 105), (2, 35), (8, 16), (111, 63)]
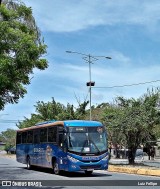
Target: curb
[(139, 171)]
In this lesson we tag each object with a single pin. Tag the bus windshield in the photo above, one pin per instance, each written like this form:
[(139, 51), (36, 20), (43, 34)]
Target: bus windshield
[(87, 139)]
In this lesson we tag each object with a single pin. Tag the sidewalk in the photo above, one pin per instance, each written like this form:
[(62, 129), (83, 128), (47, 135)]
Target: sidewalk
[(145, 159), (142, 167), (152, 163), (4, 154)]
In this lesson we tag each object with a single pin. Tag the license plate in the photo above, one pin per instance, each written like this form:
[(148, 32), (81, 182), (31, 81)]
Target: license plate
[(90, 169)]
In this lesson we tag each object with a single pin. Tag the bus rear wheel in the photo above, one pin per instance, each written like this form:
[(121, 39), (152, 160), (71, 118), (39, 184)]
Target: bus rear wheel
[(28, 163), (56, 168), (88, 173)]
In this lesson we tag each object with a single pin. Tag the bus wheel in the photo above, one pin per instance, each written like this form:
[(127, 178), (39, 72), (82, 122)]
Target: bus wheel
[(56, 168), (28, 163), (88, 173)]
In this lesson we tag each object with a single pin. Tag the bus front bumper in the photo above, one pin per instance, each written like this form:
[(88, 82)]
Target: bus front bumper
[(82, 166)]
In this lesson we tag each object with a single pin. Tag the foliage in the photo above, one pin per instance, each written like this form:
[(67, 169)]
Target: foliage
[(54, 111), (1, 148), (129, 122), (156, 131), (20, 50), (28, 122), (133, 121), (49, 110), (9, 138), (109, 118)]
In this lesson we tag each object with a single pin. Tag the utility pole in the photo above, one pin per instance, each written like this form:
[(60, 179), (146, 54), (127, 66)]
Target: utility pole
[(89, 59)]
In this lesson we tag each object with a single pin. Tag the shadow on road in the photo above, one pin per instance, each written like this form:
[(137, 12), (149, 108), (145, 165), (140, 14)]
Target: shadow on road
[(69, 174)]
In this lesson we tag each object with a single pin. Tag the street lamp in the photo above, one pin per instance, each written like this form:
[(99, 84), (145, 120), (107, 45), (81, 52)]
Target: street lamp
[(89, 59)]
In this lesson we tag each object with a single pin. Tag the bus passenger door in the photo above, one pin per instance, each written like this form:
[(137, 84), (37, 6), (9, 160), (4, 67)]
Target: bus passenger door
[(62, 156)]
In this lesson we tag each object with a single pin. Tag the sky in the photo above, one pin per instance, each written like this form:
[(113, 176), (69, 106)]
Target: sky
[(126, 30)]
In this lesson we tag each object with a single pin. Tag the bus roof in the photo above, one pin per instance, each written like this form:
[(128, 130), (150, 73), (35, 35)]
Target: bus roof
[(82, 123), (68, 123)]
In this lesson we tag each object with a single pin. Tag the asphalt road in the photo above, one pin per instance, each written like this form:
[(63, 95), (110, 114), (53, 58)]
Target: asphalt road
[(11, 170)]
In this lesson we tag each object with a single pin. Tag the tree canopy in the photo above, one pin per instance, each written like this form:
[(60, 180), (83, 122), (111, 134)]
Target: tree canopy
[(134, 121), (21, 48), (8, 137), (54, 111), (130, 123)]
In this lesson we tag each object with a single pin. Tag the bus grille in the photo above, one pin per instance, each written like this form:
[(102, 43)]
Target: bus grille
[(90, 166), (90, 161)]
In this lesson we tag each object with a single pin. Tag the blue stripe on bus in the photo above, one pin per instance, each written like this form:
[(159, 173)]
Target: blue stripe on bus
[(82, 123)]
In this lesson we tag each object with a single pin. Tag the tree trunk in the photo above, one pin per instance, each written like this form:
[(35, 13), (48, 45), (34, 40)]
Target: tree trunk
[(131, 155)]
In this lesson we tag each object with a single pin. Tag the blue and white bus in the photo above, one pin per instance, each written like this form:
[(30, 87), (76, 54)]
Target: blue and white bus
[(64, 145)]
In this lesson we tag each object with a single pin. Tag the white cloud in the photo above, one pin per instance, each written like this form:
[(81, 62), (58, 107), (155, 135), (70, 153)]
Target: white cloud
[(75, 76), (120, 59), (124, 76), (67, 74), (124, 72), (71, 15), (120, 70)]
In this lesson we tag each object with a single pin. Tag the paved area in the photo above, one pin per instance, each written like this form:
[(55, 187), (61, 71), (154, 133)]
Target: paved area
[(2, 152), (151, 163), (142, 167)]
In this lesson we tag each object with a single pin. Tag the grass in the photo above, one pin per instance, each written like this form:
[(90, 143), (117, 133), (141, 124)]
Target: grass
[(1, 148)]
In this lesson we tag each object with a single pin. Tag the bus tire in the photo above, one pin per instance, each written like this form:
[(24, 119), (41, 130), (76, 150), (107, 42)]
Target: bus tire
[(88, 173), (56, 168), (28, 163)]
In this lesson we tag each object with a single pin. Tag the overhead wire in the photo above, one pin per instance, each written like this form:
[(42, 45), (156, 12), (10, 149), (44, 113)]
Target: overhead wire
[(9, 121), (129, 85), (109, 87)]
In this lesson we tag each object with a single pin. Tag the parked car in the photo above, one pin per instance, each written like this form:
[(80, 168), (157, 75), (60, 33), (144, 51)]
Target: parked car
[(140, 155), (12, 150)]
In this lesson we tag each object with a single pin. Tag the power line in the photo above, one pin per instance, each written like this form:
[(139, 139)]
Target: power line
[(9, 121), (129, 85)]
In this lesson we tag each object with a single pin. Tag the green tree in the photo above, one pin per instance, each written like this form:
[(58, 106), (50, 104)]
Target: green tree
[(21, 47), (53, 110), (81, 112), (68, 113), (135, 120), (49, 110), (9, 138), (156, 131), (97, 111), (28, 122)]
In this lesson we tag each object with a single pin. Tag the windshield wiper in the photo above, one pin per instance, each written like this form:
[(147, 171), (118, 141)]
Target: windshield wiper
[(84, 145), (89, 140), (95, 145)]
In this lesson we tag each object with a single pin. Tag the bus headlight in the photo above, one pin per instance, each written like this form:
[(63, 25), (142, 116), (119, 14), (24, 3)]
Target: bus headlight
[(72, 159)]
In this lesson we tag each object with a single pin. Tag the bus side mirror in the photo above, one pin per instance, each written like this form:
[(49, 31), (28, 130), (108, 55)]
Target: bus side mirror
[(64, 146)]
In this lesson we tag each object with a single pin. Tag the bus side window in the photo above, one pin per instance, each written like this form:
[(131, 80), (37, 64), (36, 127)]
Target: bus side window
[(52, 133), (36, 136), (30, 137), (43, 135), (65, 144), (24, 137), (19, 138)]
